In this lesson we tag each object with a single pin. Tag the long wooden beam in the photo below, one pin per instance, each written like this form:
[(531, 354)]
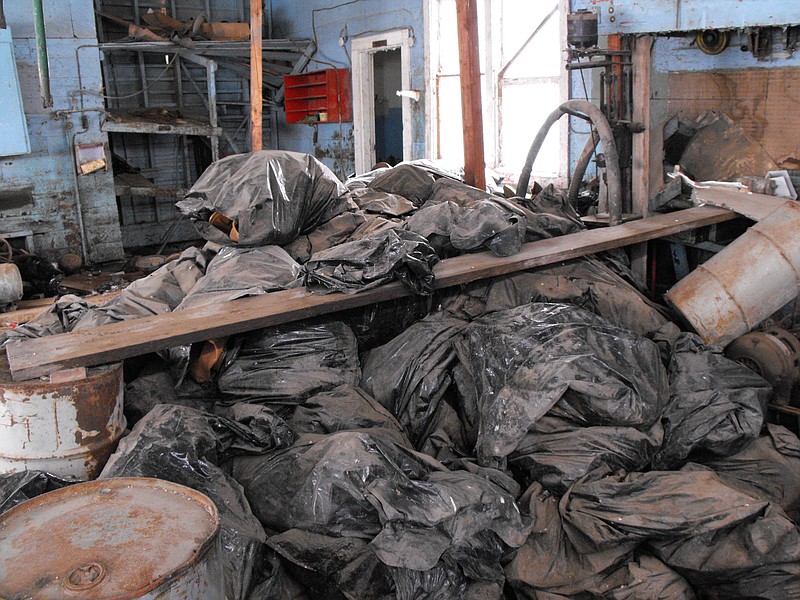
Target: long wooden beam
[(111, 343), (471, 107), (256, 133)]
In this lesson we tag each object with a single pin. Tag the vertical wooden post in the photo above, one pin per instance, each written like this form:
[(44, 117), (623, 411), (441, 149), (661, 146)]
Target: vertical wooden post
[(640, 175), (471, 108), (256, 15)]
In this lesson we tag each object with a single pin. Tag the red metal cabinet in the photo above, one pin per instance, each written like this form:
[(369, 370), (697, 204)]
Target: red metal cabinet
[(318, 97)]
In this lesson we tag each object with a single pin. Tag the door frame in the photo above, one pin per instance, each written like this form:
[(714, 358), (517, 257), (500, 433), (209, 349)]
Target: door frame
[(364, 48)]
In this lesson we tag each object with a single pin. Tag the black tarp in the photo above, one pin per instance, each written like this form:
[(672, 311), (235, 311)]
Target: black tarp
[(19, 487)]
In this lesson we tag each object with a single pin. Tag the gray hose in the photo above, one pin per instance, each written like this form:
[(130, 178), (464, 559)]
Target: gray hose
[(580, 167), (582, 107)]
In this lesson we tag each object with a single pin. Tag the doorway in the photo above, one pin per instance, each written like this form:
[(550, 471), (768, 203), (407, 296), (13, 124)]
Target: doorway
[(381, 117)]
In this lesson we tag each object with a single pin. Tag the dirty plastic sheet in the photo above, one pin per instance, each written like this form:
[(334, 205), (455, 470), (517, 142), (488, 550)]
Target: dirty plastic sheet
[(537, 358), (318, 484), (458, 516), (340, 229), (383, 203), (273, 196), (716, 405), (409, 181), (557, 453), (239, 272), (768, 467), (372, 261), (333, 567), (343, 408), (59, 318), (288, 363), (409, 374), (549, 567), (755, 558), (187, 446), (377, 323), (460, 218), (361, 181), (554, 214), (16, 488), (603, 512), (158, 293)]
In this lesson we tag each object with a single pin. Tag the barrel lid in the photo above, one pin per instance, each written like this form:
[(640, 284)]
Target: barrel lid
[(113, 538)]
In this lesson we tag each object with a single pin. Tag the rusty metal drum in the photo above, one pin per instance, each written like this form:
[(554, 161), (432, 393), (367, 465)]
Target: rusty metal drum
[(125, 538), (743, 284), (68, 429)]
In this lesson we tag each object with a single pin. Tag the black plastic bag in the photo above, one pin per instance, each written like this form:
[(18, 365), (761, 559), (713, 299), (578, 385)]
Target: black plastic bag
[(318, 484), (383, 203), (540, 358), (372, 261), (273, 196), (16, 488), (410, 374), (288, 363), (768, 467), (239, 272), (409, 181), (716, 405), (557, 453), (187, 446), (460, 218), (340, 229), (341, 409), (333, 567), (376, 324)]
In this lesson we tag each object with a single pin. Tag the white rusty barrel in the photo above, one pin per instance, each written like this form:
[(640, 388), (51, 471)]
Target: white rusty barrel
[(68, 429), (131, 537), (743, 284), (10, 284)]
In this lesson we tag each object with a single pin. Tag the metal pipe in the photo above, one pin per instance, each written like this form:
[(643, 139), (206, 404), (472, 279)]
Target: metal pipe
[(41, 52), (595, 115)]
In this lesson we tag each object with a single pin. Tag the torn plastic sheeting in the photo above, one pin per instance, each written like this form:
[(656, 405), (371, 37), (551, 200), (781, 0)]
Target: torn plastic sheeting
[(239, 272), (59, 318), (554, 215), (362, 180), (378, 323), (457, 514), (557, 453), (333, 567), (318, 484), (409, 374), (768, 467), (458, 218), (338, 230), (411, 182), (187, 446), (754, 558), (340, 409), (445, 581), (716, 405), (383, 203), (604, 512), (273, 196), (372, 261), (16, 488), (553, 357), (288, 363)]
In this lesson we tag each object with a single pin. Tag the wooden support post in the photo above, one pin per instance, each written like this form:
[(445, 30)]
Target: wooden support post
[(471, 107), (256, 15), (640, 176)]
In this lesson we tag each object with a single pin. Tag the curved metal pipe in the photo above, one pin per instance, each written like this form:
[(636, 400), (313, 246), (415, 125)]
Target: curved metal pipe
[(594, 114), (580, 167)]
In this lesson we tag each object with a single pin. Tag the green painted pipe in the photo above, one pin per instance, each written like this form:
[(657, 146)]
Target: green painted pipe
[(41, 52)]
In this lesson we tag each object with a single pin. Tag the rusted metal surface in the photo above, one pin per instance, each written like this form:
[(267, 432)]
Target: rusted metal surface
[(116, 538), (10, 285), (68, 428), (746, 282), (775, 355)]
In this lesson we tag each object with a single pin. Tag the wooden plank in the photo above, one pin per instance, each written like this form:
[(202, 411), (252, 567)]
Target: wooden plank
[(753, 206), (471, 108), (110, 343), (640, 184), (256, 131)]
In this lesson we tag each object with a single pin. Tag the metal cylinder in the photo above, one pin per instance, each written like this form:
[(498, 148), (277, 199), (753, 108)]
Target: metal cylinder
[(68, 429), (746, 282), (125, 538), (10, 284), (582, 29)]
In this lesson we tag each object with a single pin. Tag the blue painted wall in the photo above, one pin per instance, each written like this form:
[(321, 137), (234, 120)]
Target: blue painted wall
[(46, 173), (293, 19)]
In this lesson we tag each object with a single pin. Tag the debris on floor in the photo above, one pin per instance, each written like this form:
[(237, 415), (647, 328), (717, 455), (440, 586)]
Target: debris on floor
[(547, 434)]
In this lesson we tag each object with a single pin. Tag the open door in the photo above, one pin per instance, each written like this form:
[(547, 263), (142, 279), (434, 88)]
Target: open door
[(381, 117)]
